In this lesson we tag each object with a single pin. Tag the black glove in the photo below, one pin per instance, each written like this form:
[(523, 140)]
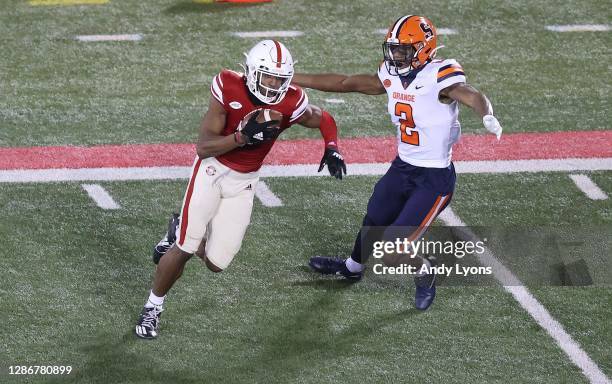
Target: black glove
[(334, 161), (256, 133)]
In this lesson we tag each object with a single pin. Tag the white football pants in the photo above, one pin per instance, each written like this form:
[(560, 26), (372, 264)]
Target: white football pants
[(217, 207)]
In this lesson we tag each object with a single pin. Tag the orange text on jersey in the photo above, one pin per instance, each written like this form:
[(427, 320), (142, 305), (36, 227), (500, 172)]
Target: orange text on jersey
[(403, 96)]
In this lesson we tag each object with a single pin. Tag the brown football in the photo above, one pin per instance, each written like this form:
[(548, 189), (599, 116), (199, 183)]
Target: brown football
[(263, 115)]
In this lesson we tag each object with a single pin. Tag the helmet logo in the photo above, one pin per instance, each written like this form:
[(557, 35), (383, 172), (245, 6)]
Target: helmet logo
[(427, 30), (410, 44)]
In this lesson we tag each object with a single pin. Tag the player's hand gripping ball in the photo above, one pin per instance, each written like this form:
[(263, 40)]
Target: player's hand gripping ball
[(260, 125)]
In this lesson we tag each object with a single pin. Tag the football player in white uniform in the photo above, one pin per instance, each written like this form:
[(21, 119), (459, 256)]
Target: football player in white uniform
[(423, 100)]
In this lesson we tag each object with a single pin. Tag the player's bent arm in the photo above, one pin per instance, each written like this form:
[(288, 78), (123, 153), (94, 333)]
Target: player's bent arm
[(315, 117), (335, 82), (311, 117), (470, 96), (210, 141)]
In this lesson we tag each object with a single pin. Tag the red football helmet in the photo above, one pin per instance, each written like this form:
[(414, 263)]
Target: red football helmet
[(410, 44)]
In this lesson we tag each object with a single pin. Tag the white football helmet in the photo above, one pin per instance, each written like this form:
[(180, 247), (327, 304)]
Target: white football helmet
[(269, 69)]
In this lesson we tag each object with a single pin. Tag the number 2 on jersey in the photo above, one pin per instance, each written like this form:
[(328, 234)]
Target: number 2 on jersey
[(409, 136)]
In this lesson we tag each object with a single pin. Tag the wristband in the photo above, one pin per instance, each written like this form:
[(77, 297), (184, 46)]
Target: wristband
[(329, 130)]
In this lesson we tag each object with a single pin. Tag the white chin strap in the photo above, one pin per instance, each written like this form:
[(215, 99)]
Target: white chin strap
[(435, 51)]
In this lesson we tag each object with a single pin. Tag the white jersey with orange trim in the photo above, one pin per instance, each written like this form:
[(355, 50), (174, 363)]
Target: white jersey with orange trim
[(426, 127)]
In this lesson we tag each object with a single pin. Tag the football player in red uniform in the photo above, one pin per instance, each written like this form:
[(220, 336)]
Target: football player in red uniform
[(218, 202)]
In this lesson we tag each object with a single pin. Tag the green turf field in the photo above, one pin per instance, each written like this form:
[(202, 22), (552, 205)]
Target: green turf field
[(74, 290), (56, 90), (74, 277)]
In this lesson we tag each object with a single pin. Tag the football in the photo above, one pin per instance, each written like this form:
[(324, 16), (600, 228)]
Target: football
[(263, 115)]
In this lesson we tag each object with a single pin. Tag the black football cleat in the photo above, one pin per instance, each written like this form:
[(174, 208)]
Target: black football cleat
[(425, 289), (148, 322), (333, 266), (169, 239)]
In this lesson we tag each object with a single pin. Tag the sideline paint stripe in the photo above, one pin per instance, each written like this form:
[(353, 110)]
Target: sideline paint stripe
[(530, 304), (441, 31), (96, 38), (579, 28), (296, 170), (266, 196), (517, 146), (334, 101), (260, 34), (67, 2), (551, 165), (100, 196), (586, 185)]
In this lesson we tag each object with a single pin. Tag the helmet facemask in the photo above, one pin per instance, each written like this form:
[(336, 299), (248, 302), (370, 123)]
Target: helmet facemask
[(401, 58), (410, 44), (269, 70), (268, 86)]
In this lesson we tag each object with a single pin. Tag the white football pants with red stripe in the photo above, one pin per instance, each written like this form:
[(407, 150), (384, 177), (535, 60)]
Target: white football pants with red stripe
[(217, 207)]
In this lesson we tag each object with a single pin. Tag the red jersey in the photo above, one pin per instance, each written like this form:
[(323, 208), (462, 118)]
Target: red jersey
[(230, 89)]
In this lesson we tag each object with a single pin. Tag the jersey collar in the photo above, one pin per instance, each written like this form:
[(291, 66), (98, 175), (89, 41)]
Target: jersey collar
[(409, 78)]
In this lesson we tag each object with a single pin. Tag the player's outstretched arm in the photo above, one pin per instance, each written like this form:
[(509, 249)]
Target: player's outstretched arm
[(315, 117), (470, 96), (335, 82), (210, 141)]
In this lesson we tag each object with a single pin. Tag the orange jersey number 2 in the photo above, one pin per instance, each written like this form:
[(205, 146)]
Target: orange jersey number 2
[(409, 136)]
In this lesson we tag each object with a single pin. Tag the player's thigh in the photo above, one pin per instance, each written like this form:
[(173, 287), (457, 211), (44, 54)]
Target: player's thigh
[(228, 227), (200, 204), (418, 214), (431, 195), (388, 198)]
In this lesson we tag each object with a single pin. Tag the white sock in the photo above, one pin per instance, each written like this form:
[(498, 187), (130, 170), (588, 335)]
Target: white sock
[(155, 301), (353, 266), (425, 262)]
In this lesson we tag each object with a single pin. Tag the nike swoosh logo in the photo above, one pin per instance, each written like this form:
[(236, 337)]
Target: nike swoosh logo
[(419, 87)]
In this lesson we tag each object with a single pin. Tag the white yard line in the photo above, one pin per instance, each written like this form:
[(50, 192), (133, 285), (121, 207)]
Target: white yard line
[(530, 304), (266, 196), (67, 2), (548, 165), (100, 196), (579, 28), (334, 101), (260, 34), (306, 170), (96, 38), (586, 185), (446, 31), (440, 31)]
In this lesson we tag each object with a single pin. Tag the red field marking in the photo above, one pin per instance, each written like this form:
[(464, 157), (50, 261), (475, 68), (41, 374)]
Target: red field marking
[(517, 146)]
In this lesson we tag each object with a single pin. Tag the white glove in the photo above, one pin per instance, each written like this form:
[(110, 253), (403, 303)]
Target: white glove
[(492, 125)]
